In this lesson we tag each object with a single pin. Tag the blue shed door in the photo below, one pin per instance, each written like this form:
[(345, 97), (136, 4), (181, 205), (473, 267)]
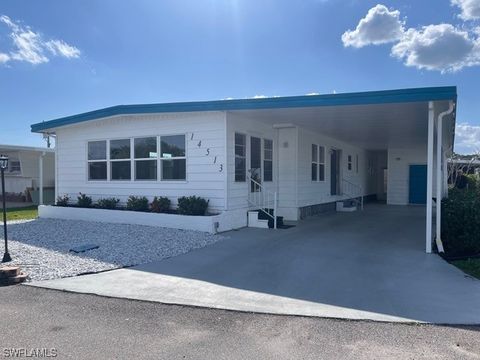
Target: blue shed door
[(418, 184)]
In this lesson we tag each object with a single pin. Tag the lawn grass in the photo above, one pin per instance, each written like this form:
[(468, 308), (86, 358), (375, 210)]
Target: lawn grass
[(23, 213), (469, 266)]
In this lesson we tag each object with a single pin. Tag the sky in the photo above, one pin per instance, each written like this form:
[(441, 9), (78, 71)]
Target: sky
[(63, 57)]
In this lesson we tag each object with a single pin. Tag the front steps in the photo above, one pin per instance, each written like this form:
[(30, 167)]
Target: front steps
[(11, 275), (258, 219), (346, 206)]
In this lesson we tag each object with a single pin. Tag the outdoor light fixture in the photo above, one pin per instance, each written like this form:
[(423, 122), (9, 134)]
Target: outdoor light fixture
[(3, 167)]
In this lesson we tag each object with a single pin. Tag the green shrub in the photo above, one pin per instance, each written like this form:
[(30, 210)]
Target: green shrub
[(108, 203), (137, 203), (192, 205), (461, 222), (84, 200), (160, 204), (473, 182), (63, 200)]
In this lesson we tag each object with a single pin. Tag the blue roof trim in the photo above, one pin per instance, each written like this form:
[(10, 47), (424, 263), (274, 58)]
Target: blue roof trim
[(360, 98)]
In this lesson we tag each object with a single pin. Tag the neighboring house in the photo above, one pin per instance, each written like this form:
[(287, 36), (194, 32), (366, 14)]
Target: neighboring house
[(29, 169), (467, 166), (307, 151)]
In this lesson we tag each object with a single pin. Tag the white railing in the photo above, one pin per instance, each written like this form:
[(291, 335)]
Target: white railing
[(352, 192), (262, 199)]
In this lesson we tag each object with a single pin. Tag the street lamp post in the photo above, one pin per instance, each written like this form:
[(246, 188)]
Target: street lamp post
[(3, 166)]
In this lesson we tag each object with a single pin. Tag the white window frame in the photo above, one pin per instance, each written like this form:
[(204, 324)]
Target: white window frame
[(245, 146), (134, 178), (132, 160), (269, 160), (160, 158), (320, 162), (106, 161), (16, 172)]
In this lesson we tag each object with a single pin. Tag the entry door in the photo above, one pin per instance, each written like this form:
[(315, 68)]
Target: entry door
[(335, 172), (418, 184), (255, 163)]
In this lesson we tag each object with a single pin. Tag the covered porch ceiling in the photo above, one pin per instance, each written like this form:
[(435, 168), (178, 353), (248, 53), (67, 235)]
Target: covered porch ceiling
[(371, 126)]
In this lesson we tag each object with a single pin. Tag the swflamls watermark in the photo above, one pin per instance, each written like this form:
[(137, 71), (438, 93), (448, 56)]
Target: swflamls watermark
[(29, 352)]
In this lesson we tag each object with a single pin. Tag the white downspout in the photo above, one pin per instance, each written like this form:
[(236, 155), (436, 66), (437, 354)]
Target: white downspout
[(431, 125), (440, 193), (40, 180)]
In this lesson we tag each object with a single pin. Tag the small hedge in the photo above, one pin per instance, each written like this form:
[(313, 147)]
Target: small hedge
[(160, 204), (187, 205), (63, 200), (461, 222), (137, 203), (192, 205), (108, 203), (84, 201)]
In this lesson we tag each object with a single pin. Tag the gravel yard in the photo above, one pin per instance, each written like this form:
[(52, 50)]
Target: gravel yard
[(41, 247)]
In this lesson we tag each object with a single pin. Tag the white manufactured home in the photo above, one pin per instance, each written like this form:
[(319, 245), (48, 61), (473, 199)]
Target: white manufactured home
[(298, 156), (30, 173)]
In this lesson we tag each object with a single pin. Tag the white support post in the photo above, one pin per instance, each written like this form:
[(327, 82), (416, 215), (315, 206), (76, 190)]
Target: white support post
[(40, 179), (439, 196), (275, 210), (431, 125)]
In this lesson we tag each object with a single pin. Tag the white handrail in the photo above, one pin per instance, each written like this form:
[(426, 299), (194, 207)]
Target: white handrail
[(353, 192), (262, 198)]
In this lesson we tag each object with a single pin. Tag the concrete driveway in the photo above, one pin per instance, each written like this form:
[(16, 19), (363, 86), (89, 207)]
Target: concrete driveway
[(363, 265)]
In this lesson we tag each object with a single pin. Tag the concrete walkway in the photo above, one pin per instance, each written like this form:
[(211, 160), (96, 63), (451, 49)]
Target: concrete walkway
[(364, 265)]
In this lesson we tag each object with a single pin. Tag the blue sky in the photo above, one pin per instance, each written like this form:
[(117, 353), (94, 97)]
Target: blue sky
[(59, 58)]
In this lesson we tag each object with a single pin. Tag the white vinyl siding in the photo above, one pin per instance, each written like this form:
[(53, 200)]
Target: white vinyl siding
[(310, 192), (205, 156), (399, 161), (237, 124)]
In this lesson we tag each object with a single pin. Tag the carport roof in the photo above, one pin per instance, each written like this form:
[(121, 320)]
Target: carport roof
[(306, 101)]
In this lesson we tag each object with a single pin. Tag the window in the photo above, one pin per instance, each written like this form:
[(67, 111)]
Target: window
[(120, 163), (97, 160), (356, 163), (173, 157), (14, 166), (240, 157), (267, 160), (138, 158), (314, 162), (145, 154), (318, 163), (349, 162)]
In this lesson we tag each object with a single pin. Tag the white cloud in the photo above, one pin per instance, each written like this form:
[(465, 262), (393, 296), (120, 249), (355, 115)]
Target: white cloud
[(470, 9), (467, 138), (440, 47), (4, 58), (260, 97), (59, 47), (379, 26), (31, 47)]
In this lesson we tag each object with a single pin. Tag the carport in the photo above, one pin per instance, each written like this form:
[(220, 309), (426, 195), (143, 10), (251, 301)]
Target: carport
[(408, 133)]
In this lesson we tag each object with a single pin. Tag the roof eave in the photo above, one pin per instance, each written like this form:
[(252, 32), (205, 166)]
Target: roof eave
[(346, 99)]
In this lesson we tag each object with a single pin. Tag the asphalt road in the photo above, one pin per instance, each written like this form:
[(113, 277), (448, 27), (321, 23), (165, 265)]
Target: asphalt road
[(91, 327)]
